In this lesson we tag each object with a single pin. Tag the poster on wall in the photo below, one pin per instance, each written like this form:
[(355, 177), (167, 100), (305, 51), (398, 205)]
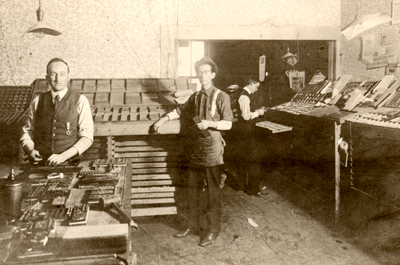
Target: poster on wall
[(379, 50), (296, 79), (368, 46)]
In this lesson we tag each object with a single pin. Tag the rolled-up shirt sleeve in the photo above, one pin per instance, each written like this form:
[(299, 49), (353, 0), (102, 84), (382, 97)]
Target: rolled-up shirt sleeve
[(85, 123), (27, 130), (244, 103), (225, 111), (173, 115), (224, 125)]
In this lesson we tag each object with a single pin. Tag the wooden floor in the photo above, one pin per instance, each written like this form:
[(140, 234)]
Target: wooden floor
[(285, 235), (295, 224)]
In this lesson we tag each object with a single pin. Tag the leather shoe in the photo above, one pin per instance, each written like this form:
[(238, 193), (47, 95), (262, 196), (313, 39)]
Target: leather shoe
[(253, 192), (209, 239), (182, 233)]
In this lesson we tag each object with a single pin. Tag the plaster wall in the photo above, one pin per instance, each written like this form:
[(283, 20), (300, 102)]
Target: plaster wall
[(123, 39), (275, 13), (350, 50)]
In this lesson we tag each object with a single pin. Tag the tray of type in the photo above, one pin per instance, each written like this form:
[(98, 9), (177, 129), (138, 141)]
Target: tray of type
[(50, 190)]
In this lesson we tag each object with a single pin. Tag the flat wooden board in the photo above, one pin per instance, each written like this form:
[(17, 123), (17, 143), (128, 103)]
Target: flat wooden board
[(153, 211)]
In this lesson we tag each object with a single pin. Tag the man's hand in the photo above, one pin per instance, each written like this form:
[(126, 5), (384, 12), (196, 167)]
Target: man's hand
[(55, 160), (35, 157), (159, 123), (261, 111), (205, 124)]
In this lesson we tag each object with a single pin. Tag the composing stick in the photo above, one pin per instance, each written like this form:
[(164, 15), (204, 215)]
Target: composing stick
[(204, 132)]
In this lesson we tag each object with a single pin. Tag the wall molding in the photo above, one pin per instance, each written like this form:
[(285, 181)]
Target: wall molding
[(256, 33), (330, 34)]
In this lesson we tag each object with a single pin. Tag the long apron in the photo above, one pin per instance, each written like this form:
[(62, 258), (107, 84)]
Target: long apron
[(204, 198), (207, 151)]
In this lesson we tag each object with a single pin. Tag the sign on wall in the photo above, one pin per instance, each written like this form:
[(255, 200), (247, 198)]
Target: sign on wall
[(380, 50)]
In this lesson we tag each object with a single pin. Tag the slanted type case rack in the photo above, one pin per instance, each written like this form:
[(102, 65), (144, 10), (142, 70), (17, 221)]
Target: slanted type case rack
[(14, 101), (374, 114), (123, 111), (115, 101)]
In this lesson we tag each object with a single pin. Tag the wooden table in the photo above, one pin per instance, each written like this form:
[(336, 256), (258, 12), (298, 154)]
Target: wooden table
[(105, 239), (324, 122)]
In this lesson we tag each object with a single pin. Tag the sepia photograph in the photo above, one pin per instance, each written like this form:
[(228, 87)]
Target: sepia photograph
[(199, 132)]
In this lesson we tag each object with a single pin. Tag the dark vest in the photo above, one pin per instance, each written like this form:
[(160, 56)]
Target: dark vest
[(245, 129), (56, 130), (240, 118)]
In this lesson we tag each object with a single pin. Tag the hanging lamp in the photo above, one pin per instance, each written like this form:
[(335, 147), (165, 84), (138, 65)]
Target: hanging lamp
[(41, 29)]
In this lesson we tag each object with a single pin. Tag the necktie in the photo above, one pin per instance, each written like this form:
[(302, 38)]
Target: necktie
[(57, 102), (202, 105)]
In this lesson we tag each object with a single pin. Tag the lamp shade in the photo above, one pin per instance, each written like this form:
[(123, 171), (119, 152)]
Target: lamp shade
[(41, 29), (290, 58)]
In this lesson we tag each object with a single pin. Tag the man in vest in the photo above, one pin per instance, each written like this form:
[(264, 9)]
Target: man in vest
[(247, 167), (207, 112), (59, 126)]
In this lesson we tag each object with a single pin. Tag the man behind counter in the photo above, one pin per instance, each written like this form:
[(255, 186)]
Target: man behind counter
[(247, 161), (59, 124)]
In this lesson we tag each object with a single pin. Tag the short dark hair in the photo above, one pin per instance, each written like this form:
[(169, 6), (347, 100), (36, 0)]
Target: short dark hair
[(206, 60), (251, 79), (56, 60)]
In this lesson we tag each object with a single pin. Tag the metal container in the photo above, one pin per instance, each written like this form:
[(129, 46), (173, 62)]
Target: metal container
[(12, 197)]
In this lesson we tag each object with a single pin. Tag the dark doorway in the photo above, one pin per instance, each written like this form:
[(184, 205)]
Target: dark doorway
[(238, 59)]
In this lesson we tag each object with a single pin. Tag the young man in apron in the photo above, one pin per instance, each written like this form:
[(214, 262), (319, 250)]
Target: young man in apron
[(207, 112)]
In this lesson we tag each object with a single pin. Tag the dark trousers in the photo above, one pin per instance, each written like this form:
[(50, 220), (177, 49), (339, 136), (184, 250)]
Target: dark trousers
[(247, 157), (204, 198), (248, 172)]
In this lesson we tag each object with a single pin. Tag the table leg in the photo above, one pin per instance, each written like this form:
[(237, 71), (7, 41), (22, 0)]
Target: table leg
[(337, 172)]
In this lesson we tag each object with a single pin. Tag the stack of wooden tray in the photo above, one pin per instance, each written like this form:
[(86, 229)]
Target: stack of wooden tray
[(156, 172), (14, 101)]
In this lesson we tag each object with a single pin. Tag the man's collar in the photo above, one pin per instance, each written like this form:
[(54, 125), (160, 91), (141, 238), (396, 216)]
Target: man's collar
[(247, 89), (208, 91), (60, 93)]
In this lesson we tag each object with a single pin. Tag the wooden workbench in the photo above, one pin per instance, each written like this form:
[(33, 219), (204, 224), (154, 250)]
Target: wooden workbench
[(105, 238)]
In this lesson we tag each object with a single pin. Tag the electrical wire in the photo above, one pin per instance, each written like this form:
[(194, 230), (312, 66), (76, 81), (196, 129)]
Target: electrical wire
[(171, 55), (298, 49)]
